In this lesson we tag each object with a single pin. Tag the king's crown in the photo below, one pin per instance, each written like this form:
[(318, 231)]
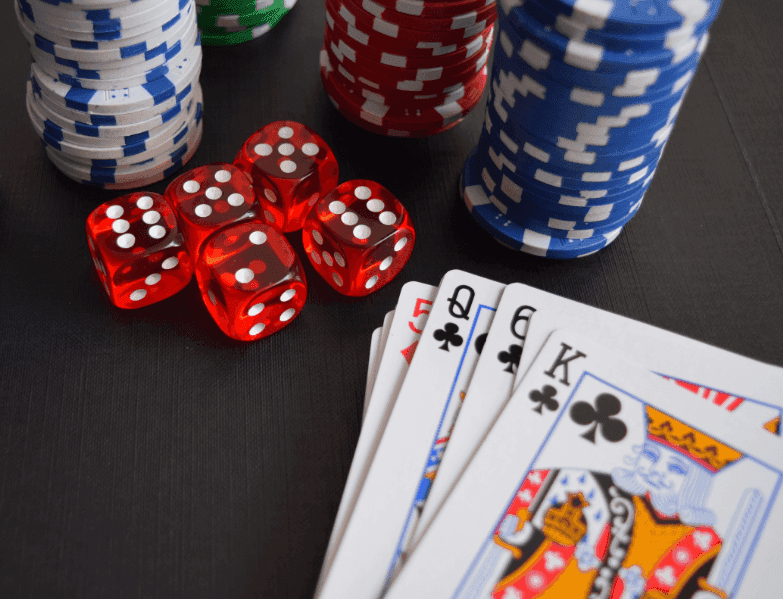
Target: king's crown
[(565, 524)]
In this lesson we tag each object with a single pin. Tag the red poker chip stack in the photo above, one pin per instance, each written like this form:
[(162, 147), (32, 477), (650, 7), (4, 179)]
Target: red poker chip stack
[(406, 68)]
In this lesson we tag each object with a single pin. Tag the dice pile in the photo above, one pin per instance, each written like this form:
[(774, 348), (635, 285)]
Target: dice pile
[(230, 22), (584, 96), (113, 90), (225, 222), (406, 68)]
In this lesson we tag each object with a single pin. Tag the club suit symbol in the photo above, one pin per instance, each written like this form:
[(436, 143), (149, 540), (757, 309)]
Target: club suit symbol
[(449, 335), (600, 416), (545, 399), (479, 343), (511, 357)]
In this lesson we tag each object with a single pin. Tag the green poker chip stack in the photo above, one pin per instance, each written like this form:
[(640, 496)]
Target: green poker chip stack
[(230, 22)]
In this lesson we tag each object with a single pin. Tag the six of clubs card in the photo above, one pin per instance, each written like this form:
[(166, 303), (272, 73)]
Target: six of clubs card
[(526, 454)]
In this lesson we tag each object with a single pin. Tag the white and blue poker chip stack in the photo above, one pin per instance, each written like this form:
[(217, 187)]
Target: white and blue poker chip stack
[(583, 97), (113, 89)]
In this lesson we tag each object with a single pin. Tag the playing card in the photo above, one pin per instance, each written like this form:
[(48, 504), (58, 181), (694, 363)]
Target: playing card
[(376, 359), (405, 327), (489, 389), (415, 435), (598, 480), (719, 379), (372, 365)]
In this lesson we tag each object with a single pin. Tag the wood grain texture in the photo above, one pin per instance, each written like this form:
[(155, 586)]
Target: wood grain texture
[(143, 454)]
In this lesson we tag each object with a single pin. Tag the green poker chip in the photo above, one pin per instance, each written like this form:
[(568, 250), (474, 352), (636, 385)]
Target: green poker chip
[(236, 37), (233, 6), (227, 29), (244, 8), (272, 14)]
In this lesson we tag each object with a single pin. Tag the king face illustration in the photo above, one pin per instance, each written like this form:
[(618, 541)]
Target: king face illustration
[(644, 531)]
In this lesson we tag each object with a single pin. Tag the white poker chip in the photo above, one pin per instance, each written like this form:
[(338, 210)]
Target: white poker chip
[(126, 100), (119, 10), (55, 120), (117, 78), (46, 16), (89, 53), (75, 144), (113, 89), (110, 39)]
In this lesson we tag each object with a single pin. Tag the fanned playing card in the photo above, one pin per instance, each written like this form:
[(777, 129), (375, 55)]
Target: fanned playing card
[(405, 327), (396, 485), (718, 379), (601, 480)]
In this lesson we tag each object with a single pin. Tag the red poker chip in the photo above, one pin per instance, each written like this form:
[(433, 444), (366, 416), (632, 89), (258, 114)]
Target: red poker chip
[(425, 8), (347, 109), (371, 80), (401, 117), (482, 12), (364, 21), (406, 78), (405, 98), (382, 43), (393, 55), (411, 101), (402, 60)]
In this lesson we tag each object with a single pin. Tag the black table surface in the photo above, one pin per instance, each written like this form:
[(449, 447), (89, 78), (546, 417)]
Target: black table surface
[(144, 454)]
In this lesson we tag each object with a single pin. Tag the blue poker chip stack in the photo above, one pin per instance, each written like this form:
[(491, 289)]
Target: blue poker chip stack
[(584, 95), (113, 89)]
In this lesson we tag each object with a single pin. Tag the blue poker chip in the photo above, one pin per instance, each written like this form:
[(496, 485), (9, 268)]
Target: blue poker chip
[(593, 57), (552, 117), (525, 207), (547, 188), (622, 36), (534, 55), (528, 164), (575, 158), (516, 236), (650, 15)]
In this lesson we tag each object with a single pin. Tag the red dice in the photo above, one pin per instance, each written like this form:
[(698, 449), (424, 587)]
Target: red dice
[(208, 198), (251, 280), (138, 250), (358, 237), (291, 168)]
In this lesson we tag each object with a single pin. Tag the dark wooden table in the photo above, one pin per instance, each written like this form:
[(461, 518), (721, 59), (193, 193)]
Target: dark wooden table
[(143, 454)]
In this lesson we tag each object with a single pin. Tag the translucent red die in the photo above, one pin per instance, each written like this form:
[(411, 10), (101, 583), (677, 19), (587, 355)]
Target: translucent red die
[(358, 237), (208, 198), (250, 280), (138, 249), (291, 168)]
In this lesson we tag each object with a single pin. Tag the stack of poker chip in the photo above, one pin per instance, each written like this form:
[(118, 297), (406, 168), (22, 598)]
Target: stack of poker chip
[(113, 89), (229, 22), (406, 68), (583, 97)]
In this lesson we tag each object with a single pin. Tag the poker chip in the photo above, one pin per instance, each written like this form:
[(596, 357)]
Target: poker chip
[(406, 68), (230, 22), (113, 91), (583, 98)]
